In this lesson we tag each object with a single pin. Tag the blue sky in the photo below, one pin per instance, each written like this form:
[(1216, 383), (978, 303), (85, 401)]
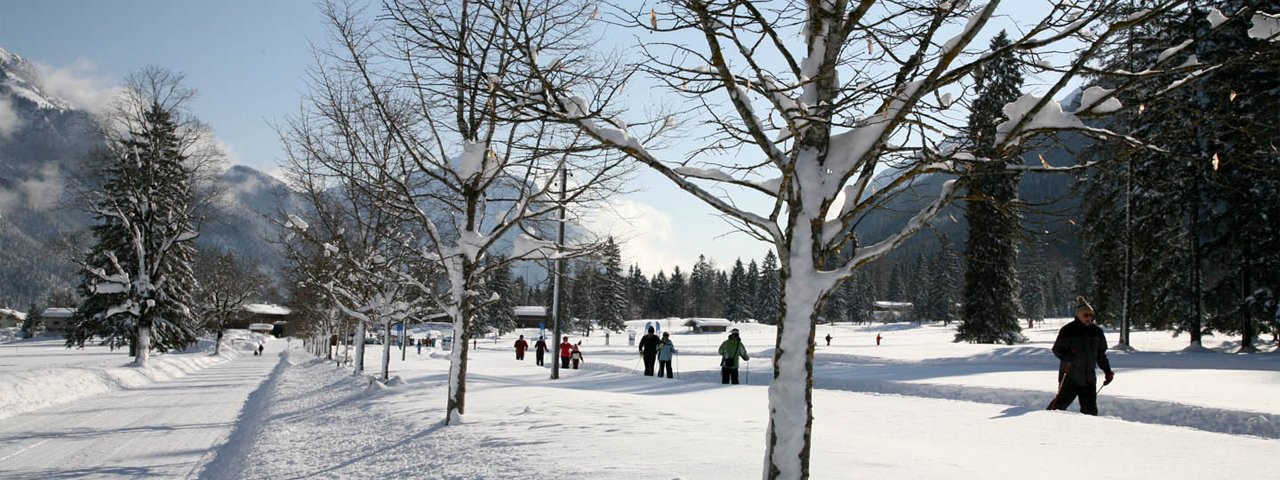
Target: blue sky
[(247, 59)]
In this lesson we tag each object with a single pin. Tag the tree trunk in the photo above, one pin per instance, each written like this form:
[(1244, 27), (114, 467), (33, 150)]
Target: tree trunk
[(217, 343), (386, 349), (358, 339), (791, 391), (143, 346), (457, 403)]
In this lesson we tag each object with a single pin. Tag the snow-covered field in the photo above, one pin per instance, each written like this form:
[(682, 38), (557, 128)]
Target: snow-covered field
[(916, 406)]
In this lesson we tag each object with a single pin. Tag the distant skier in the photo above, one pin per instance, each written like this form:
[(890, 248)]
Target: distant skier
[(419, 344), (1081, 347), (540, 350), (259, 350), (878, 337), (730, 351), (649, 350), (665, 352), (566, 351), (521, 346), (576, 356), (828, 339)]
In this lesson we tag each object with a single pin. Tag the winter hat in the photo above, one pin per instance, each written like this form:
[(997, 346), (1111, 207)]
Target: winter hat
[(1083, 306), (733, 332)]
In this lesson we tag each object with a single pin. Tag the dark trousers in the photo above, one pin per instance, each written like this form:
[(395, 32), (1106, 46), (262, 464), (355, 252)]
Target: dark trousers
[(729, 375), (519, 354), (648, 363), (1070, 390), (564, 362), (664, 366), (539, 357)]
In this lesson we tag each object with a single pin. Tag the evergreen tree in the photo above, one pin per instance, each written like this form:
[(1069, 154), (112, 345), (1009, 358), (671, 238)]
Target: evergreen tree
[(751, 289), (638, 289), (989, 313), (769, 296), (500, 315), (678, 291), (1034, 287), (660, 297), (33, 325), (738, 309), (137, 277), (703, 299), (611, 289)]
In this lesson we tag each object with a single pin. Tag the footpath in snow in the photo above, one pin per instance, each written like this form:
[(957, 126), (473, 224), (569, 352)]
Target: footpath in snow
[(167, 429)]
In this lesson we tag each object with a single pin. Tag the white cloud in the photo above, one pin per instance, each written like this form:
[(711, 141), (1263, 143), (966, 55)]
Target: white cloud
[(78, 84), (645, 233), (9, 121), (42, 192)]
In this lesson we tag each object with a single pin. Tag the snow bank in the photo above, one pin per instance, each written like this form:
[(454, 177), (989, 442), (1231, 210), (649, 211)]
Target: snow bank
[(40, 381)]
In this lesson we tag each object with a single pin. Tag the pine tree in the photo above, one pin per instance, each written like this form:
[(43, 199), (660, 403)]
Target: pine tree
[(137, 277), (678, 290), (33, 325), (751, 289), (739, 296), (769, 296), (989, 313), (703, 298), (611, 289), (638, 289), (660, 296), (500, 315)]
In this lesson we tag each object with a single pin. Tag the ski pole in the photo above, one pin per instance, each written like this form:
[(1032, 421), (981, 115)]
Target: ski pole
[(1054, 403)]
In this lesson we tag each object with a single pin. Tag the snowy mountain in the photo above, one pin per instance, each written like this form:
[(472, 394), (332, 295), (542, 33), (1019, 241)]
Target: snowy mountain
[(1050, 199), (45, 144)]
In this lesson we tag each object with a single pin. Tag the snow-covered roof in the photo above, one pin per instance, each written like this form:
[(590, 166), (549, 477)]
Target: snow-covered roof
[(892, 305), (531, 311), (711, 322), (59, 312), (265, 309), (6, 312), (261, 326)]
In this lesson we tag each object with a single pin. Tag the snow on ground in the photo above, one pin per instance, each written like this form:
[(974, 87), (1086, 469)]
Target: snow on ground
[(917, 405), (166, 429), (42, 372)]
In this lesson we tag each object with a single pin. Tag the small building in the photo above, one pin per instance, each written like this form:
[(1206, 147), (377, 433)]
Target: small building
[(887, 312), (57, 319), (708, 325), (262, 313), (10, 318), (532, 316)]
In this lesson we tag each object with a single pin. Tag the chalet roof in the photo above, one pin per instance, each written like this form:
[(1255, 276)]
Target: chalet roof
[(7, 312), (709, 322), (531, 311), (265, 309), (59, 312)]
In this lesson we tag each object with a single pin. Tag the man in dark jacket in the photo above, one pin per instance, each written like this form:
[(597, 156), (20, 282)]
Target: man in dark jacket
[(1081, 347), (649, 350), (540, 349)]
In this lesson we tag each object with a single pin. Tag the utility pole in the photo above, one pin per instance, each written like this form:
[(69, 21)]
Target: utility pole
[(559, 276)]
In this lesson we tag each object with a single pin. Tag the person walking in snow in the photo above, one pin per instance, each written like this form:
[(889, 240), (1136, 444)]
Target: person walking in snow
[(1081, 347), (665, 351), (576, 356), (259, 350), (540, 350), (566, 351), (649, 350), (419, 344), (878, 337), (521, 346), (828, 339), (730, 351)]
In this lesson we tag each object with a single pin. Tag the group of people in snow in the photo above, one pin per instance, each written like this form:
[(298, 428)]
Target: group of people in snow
[(1081, 348), (662, 351)]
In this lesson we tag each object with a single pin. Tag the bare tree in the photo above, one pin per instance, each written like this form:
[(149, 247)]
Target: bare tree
[(803, 104), (471, 169), (225, 285)]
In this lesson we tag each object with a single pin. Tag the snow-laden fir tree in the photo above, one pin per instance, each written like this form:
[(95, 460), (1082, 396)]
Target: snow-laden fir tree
[(990, 307), (611, 289), (679, 294), (138, 281), (500, 314), (638, 288), (704, 297), (660, 299)]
